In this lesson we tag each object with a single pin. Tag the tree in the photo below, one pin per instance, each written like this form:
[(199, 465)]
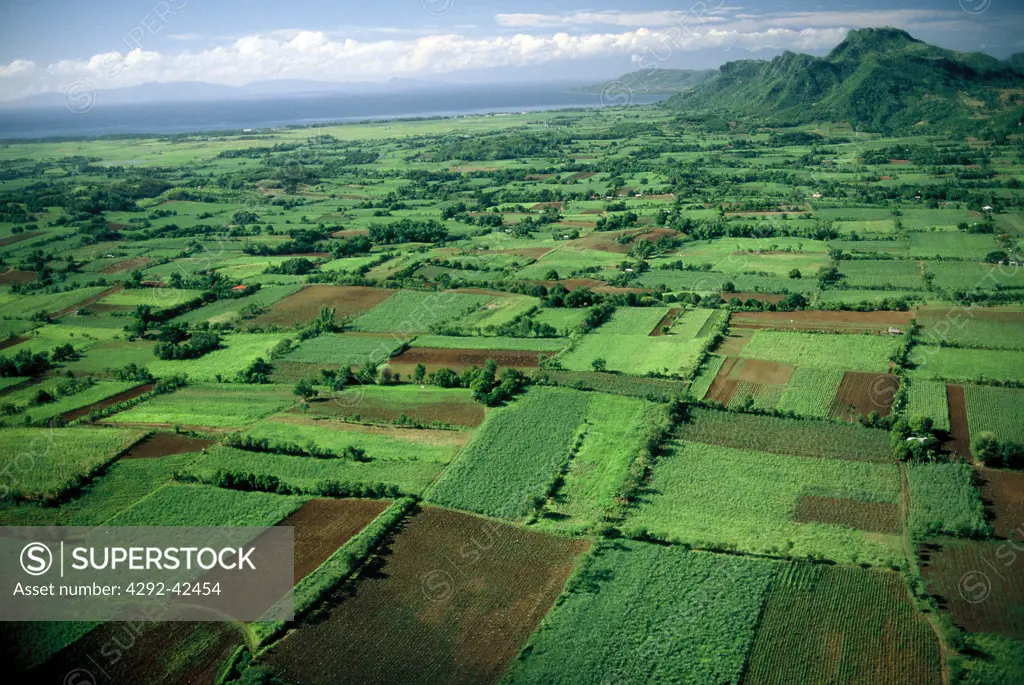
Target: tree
[(420, 373), (257, 373), (306, 389), (580, 297), (795, 273), (599, 365)]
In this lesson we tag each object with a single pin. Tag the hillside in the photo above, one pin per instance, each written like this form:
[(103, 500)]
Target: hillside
[(659, 81), (879, 79)]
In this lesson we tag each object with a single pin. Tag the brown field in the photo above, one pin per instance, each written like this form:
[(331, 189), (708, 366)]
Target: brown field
[(541, 206), (862, 393), (304, 306), (350, 233), (577, 224), (448, 602), (173, 653), (462, 413), (735, 341), (583, 175), (666, 321), (531, 252), (459, 360), (981, 584), (572, 283), (11, 342), (757, 371), (760, 297), (959, 316), (723, 387), (166, 445), (293, 372), (86, 302), (1003, 494), (125, 265), (959, 432), (468, 168), (840, 322), (592, 211), (109, 402), (324, 525), (427, 436), (842, 624), (538, 177), (874, 517), (12, 276), (12, 239)]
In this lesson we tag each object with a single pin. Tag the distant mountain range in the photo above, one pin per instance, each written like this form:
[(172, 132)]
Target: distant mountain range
[(656, 82), (878, 79)]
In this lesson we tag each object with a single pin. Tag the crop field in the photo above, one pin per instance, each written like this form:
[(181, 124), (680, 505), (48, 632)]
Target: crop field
[(943, 499), (305, 305), (948, 363), (999, 411), (853, 352), (839, 624), (515, 455), (47, 464), (928, 398), (448, 603), (415, 312), (728, 314), (644, 613), (730, 499), (787, 436), (978, 584), (216, 406)]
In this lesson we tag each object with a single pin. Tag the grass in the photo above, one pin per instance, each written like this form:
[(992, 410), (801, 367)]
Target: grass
[(308, 474), (928, 398), (415, 312), (343, 349), (696, 323), (177, 504), (949, 363), (563, 319), (705, 377), (215, 405), (996, 410), (44, 412), (515, 455), (616, 433), (158, 298), (636, 355), (236, 354), (855, 352), (223, 311), (889, 274), (24, 306), (730, 499), (633, 321), (447, 342), (787, 436), (810, 392), (50, 463), (943, 500), (643, 613)]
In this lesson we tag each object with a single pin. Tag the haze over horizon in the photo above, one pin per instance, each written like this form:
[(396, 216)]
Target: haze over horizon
[(107, 45)]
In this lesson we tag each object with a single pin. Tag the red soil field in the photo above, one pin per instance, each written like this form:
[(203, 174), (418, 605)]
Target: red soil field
[(450, 601), (435, 358), (862, 393), (577, 224), (12, 276), (723, 387), (538, 177), (531, 252), (12, 239), (959, 431), (760, 297), (583, 175), (324, 525), (1003, 494), (144, 653), (350, 233), (541, 206), (979, 583), (125, 265), (842, 322), (109, 402), (467, 413), (86, 302), (666, 321), (304, 306), (874, 517), (735, 341), (166, 445), (11, 342), (758, 371)]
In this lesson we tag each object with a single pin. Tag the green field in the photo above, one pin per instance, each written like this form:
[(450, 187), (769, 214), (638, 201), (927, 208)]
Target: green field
[(412, 312), (999, 411), (216, 406), (855, 352), (948, 363)]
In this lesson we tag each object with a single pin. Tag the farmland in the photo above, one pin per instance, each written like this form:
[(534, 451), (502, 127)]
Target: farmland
[(603, 395)]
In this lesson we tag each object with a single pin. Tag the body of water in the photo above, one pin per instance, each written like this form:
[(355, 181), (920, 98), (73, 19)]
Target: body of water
[(285, 110)]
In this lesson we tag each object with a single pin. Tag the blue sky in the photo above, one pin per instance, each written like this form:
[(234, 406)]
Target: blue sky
[(47, 44)]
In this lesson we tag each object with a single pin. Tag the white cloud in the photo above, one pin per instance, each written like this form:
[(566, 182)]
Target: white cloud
[(315, 55)]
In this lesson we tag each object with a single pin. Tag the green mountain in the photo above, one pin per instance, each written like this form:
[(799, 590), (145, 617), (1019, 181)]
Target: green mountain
[(659, 81), (879, 79)]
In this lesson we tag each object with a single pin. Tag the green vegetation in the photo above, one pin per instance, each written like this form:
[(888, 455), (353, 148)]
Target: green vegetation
[(411, 312), (856, 352), (178, 504), (948, 363), (655, 614), (216, 406), (928, 399), (508, 467), (810, 392), (999, 411), (943, 499)]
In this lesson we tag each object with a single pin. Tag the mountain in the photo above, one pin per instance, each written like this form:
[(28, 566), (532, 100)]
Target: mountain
[(878, 79), (660, 81)]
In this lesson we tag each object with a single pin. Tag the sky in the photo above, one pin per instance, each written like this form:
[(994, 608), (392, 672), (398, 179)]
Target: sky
[(52, 45)]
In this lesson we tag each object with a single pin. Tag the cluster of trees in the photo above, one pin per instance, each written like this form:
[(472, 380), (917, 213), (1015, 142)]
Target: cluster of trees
[(997, 454), (175, 342), (24, 363), (408, 231)]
